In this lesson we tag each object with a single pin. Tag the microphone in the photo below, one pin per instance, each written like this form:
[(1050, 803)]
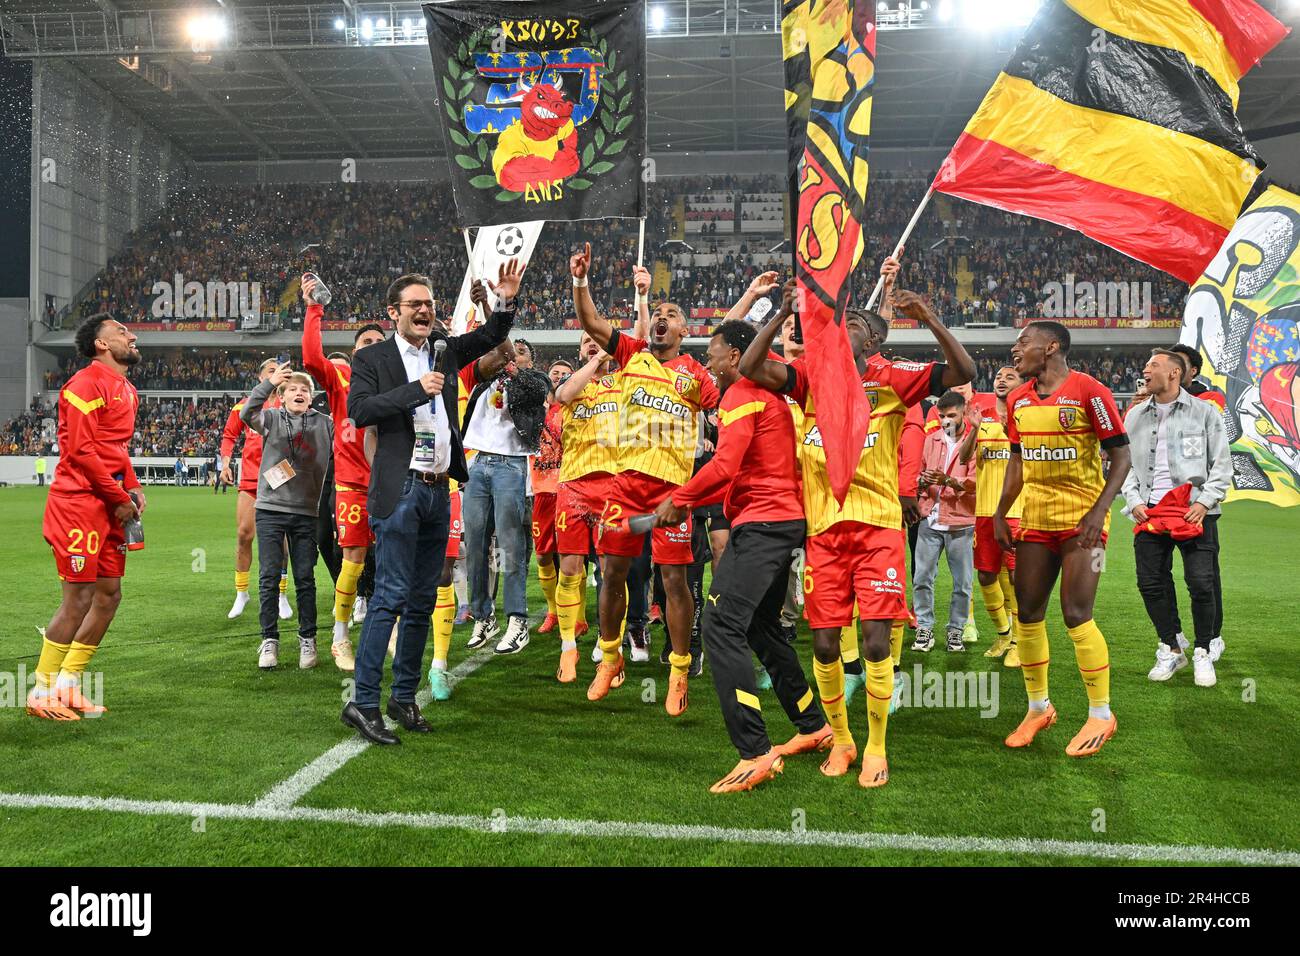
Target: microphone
[(439, 347)]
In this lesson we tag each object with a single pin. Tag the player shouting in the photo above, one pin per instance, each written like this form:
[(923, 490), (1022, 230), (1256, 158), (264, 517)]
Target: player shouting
[(661, 394), (94, 493), (351, 470), (855, 551), (1060, 420)]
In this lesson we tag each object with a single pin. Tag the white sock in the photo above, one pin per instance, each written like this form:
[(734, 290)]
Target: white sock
[(1038, 706), (440, 663), (568, 645), (1100, 713), (340, 632)]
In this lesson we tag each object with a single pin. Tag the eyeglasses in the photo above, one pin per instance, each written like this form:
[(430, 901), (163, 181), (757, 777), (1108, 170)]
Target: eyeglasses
[(416, 305)]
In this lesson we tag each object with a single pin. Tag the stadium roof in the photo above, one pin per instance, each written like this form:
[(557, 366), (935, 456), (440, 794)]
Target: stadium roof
[(287, 82)]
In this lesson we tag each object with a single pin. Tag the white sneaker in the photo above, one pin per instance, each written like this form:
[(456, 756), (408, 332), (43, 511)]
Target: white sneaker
[(1183, 642), (268, 655), (516, 638), (359, 610), (241, 602), (484, 631), (1203, 668), (1167, 664), (924, 640), (1216, 649), (286, 612), (306, 653), (597, 655)]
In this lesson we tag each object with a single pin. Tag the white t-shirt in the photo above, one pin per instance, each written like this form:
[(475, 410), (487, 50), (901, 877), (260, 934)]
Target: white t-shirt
[(1161, 481), (933, 517), (432, 451), (491, 429)]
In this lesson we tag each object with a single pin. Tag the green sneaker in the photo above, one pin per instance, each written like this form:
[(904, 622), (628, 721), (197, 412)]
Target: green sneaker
[(970, 633), (852, 684), (896, 699), (439, 687), (764, 679)]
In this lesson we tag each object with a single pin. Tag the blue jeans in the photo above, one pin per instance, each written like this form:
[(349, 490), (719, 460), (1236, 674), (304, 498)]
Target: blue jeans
[(410, 545), (497, 494), (960, 545)]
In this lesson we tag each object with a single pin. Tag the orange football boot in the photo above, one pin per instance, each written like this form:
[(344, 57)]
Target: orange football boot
[(568, 670), (609, 674), (49, 708), (748, 774), (581, 628), (73, 699), (1034, 721), (875, 772), (807, 743), (1092, 737), (548, 623), (840, 760), (676, 703)]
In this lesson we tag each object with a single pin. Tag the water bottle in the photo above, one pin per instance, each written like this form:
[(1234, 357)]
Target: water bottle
[(320, 295), (133, 532)]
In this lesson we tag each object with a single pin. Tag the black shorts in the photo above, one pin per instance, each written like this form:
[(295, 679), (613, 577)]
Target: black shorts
[(713, 517)]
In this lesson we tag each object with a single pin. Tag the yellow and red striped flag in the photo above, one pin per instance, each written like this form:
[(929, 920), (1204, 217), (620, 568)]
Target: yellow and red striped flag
[(1118, 119), (829, 49)]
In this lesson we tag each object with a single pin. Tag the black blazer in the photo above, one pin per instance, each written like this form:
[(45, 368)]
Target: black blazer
[(380, 395)]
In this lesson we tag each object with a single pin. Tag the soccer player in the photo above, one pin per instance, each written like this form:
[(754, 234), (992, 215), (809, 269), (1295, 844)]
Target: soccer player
[(754, 471), (855, 551), (662, 392), (988, 444), (95, 492), (1059, 422), (250, 461), (545, 470), (351, 469)]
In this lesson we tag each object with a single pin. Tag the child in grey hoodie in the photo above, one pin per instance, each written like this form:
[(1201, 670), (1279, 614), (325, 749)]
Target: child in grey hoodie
[(297, 442)]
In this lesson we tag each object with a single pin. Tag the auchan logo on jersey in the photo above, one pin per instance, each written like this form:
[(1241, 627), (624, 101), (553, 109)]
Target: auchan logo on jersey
[(581, 412), (996, 454), (661, 403), (1046, 453), (814, 438)]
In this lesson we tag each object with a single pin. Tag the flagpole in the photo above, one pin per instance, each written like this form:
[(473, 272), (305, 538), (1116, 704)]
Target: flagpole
[(907, 233), (640, 243), (469, 252)]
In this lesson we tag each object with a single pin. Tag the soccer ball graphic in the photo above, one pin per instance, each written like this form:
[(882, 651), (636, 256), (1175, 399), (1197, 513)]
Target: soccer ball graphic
[(510, 241)]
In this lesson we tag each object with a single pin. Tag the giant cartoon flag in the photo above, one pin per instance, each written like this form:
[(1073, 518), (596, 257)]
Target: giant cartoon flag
[(1244, 316), (543, 107), (1118, 119), (829, 48)]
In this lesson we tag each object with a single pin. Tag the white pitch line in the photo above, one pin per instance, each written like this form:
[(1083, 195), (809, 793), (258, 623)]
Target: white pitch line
[(290, 791), (623, 830)]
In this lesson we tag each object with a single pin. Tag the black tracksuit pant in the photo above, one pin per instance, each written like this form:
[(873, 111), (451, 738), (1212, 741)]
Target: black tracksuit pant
[(743, 614)]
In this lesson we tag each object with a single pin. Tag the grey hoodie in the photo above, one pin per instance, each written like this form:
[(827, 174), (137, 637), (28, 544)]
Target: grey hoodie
[(307, 442)]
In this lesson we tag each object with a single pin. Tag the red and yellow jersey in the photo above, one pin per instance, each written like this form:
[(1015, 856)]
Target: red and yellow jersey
[(1059, 439), (589, 430), (545, 465), (891, 389), (96, 423), (351, 470), (992, 455), (250, 458), (659, 405)]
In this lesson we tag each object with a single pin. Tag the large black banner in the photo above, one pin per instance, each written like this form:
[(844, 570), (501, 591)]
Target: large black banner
[(543, 107)]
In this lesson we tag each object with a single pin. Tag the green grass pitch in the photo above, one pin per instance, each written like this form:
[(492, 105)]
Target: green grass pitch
[(193, 720)]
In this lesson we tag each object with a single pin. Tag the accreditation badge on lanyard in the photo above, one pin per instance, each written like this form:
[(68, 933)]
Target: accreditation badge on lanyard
[(426, 445)]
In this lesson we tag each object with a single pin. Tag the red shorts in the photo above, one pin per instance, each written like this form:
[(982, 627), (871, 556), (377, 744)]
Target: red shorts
[(456, 531), (544, 522), (351, 518), (851, 562), (633, 493), (1054, 540), (989, 557), (577, 507), (86, 539)]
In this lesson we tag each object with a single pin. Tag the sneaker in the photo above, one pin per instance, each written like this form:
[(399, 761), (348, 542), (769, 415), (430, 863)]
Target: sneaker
[(1183, 642), (268, 655), (462, 616), (970, 634), (286, 611), (1167, 664), (748, 774), (306, 653), (852, 684), (484, 631), (640, 644), (924, 640), (516, 638), (1012, 656), (1203, 668), (955, 640), (241, 602), (359, 610), (697, 662), (439, 686), (896, 698), (1216, 650), (790, 633), (763, 679), (344, 659), (1000, 645), (597, 655), (549, 623)]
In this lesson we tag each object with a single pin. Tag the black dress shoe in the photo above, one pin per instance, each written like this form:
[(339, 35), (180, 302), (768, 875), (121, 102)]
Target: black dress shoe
[(372, 728), (409, 716)]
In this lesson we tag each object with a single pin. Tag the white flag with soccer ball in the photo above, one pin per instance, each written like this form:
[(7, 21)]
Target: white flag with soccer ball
[(493, 247)]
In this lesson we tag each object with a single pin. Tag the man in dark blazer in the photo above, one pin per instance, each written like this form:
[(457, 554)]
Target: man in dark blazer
[(413, 408)]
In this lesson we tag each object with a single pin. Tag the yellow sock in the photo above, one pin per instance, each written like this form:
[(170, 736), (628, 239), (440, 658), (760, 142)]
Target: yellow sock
[(582, 588), (444, 614), (1035, 656), (880, 688), (241, 582), (1008, 592), (50, 663), (284, 583), (830, 687), (680, 663), (547, 578), (1094, 661), (568, 602), (995, 605), (849, 643), (611, 649), (345, 590), (896, 643)]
